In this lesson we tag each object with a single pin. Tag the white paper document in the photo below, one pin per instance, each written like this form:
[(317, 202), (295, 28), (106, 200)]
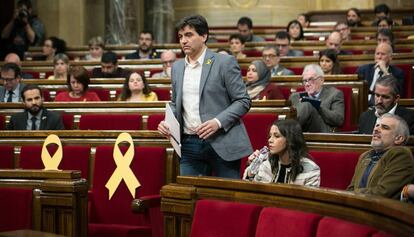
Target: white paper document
[(174, 126)]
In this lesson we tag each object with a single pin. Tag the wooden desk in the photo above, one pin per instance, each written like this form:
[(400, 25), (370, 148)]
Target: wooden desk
[(28, 233)]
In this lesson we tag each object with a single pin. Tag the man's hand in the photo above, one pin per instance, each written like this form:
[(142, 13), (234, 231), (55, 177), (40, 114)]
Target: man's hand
[(206, 129), (382, 66), (163, 129)]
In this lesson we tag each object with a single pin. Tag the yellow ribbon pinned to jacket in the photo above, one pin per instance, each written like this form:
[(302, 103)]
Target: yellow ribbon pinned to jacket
[(123, 171), (52, 162)]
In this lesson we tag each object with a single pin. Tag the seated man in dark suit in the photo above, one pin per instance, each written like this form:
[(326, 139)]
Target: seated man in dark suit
[(282, 42), (35, 117), (12, 87), (109, 67), (386, 101), (145, 49), (371, 72), (320, 108)]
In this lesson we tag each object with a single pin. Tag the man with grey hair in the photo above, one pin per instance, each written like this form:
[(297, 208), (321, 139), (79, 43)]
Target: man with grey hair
[(271, 57), (389, 166), (386, 98), (320, 108), (371, 72), (167, 58)]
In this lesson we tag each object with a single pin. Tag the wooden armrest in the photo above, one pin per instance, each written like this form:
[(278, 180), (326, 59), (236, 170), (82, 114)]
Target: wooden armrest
[(143, 203)]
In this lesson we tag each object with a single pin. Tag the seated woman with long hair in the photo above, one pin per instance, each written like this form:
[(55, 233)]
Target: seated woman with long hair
[(295, 30), (78, 84), (60, 67), (136, 89), (286, 160), (329, 62), (258, 83)]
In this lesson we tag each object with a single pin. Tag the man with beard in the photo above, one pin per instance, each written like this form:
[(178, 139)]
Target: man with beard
[(10, 77), (389, 166), (109, 67), (353, 17), (145, 50), (386, 101), (35, 117)]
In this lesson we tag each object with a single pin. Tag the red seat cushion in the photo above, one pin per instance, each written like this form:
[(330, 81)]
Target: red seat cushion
[(6, 157), (284, 222), (329, 226), (220, 218), (2, 122), (103, 94), (148, 166), (110, 122), (68, 121), (347, 126), (154, 120), (16, 209), (337, 168), (162, 93), (74, 158)]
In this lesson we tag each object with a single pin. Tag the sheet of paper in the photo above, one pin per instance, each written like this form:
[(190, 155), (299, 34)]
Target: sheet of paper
[(174, 126)]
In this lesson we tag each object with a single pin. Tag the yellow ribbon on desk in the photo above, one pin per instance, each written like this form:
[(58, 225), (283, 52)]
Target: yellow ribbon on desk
[(123, 171), (52, 162)]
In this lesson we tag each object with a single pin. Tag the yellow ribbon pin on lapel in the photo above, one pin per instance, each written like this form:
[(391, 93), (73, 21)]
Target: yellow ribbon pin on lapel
[(123, 171), (52, 162)]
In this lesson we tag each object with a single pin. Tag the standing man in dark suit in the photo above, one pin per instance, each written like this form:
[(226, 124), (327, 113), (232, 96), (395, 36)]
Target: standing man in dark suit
[(320, 108), (208, 99), (11, 89), (371, 72), (35, 117), (386, 101)]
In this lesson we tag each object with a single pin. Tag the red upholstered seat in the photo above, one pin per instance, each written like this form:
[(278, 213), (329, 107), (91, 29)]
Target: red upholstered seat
[(103, 94), (222, 219), (2, 122), (162, 93), (110, 122), (68, 121), (257, 126), (329, 226), (337, 168), (296, 70), (408, 79), (148, 166), (349, 69), (347, 126), (6, 157), (46, 95), (252, 53), (74, 158), (284, 222), (154, 120), (16, 209)]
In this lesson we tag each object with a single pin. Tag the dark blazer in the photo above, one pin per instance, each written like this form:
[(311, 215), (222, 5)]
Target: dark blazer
[(50, 121), (223, 96), (366, 72), (120, 73), (367, 119), (135, 55), (3, 92)]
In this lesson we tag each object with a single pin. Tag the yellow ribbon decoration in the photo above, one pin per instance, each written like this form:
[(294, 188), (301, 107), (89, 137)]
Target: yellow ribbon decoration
[(52, 163), (123, 171)]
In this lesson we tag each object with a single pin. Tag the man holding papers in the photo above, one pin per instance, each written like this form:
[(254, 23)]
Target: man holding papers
[(208, 100), (320, 108)]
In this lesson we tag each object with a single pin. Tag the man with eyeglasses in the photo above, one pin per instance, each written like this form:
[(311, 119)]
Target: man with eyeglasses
[(10, 77), (344, 30), (282, 42), (271, 57), (320, 108), (386, 101), (167, 58)]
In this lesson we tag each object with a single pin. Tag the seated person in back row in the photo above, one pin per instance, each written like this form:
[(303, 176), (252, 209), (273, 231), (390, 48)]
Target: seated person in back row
[(168, 57), (320, 108), (136, 89), (389, 166), (285, 161), (283, 42), (35, 117), (271, 57), (386, 96), (12, 87), (109, 67), (78, 85), (258, 83)]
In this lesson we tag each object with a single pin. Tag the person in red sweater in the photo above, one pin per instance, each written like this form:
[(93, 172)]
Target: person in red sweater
[(78, 84), (258, 83)]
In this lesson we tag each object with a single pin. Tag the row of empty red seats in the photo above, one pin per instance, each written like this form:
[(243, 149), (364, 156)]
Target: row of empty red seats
[(221, 218)]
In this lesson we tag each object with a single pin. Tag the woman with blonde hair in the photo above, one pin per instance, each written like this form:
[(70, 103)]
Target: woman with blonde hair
[(60, 67)]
